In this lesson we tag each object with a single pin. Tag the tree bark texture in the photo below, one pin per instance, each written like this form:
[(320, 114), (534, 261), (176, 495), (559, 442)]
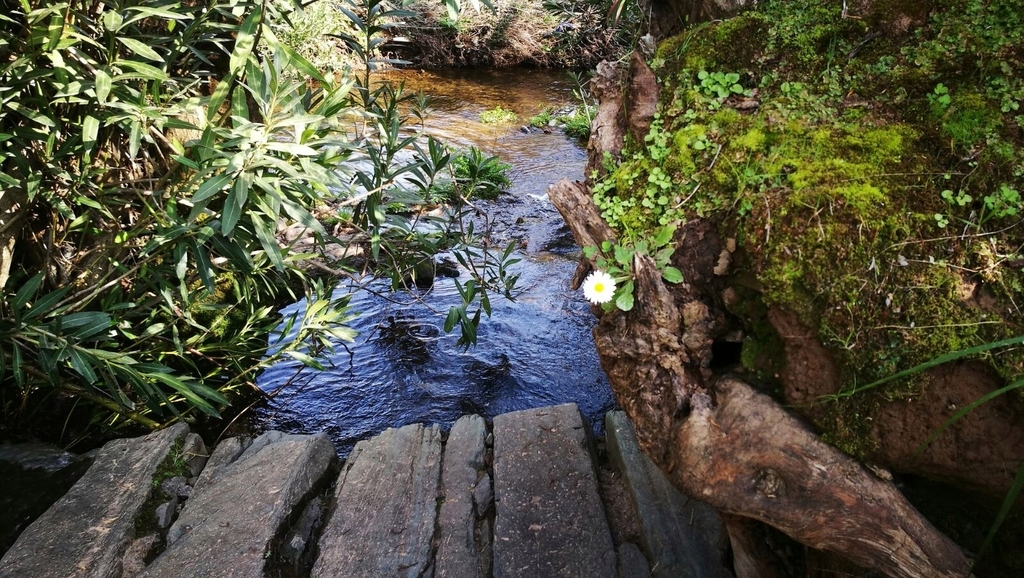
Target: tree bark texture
[(721, 441)]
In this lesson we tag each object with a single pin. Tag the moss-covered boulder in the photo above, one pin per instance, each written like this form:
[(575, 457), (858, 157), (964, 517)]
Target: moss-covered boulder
[(870, 169)]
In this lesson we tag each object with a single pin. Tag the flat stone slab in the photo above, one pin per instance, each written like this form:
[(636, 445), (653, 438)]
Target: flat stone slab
[(385, 510), (86, 533), (550, 519), (228, 524), (682, 537), (464, 550)]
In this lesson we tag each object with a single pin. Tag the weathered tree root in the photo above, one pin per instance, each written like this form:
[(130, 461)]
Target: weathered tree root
[(720, 441)]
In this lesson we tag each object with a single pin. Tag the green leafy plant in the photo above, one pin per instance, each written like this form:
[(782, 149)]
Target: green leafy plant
[(616, 259), (167, 192), (939, 98), (391, 189), (150, 155), (474, 175), (720, 85), (1004, 202), (543, 118)]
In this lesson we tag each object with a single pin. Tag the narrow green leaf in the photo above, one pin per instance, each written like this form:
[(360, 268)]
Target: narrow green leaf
[(265, 232), (150, 11), (217, 99), (305, 360), (211, 187), (143, 71), (302, 65), (86, 324), (16, 361), (245, 41), (452, 319), (968, 409), (103, 84), (140, 48), (664, 236), (292, 148), (90, 130), (1004, 510), (181, 267), (154, 329), (83, 365), (239, 107), (46, 303), (186, 391), (204, 266), (31, 114), (301, 215), (943, 359), (135, 139), (234, 204), (26, 292)]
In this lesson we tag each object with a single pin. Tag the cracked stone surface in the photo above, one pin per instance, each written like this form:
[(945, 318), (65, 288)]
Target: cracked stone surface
[(383, 523), (87, 532), (229, 523)]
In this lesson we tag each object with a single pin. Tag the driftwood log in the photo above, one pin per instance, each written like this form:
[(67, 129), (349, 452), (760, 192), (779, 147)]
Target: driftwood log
[(720, 440)]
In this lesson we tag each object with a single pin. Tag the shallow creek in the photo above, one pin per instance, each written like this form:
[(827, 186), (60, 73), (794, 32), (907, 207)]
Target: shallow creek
[(532, 352)]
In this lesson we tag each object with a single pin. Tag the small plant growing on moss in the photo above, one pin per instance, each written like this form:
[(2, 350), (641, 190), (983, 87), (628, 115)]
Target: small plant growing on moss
[(498, 115), (1005, 202), (939, 98), (721, 84), (616, 261)]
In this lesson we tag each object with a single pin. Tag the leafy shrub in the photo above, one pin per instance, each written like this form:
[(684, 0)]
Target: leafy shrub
[(149, 157)]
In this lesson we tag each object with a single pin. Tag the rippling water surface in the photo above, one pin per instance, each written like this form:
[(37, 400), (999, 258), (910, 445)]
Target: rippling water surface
[(532, 352)]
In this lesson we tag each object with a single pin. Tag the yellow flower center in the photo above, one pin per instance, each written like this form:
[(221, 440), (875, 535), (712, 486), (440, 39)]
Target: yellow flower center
[(599, 287)]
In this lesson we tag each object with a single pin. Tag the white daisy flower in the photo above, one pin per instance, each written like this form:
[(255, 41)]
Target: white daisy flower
[(599, 287)]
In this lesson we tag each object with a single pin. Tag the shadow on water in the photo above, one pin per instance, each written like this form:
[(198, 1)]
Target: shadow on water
[(535, 351)]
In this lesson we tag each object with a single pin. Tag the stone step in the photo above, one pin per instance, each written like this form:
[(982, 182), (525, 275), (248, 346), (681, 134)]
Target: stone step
[(681, 537), (550, 521), (87, 532), (385, 510), (464, 550), (241, 503), (404, 505)]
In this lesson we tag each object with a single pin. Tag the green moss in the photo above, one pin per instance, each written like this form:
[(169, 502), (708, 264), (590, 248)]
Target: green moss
[(836, 182), (219, 311), (752, 141), (172, 465), (969, 120)]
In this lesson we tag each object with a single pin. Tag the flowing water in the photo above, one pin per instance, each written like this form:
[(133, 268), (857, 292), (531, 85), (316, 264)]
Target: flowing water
[(532, 352)]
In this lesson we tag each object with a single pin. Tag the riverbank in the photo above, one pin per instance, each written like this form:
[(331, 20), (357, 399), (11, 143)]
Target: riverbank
[(572, 34)]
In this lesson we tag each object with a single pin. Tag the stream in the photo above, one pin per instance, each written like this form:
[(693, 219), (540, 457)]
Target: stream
[(534, 351)]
